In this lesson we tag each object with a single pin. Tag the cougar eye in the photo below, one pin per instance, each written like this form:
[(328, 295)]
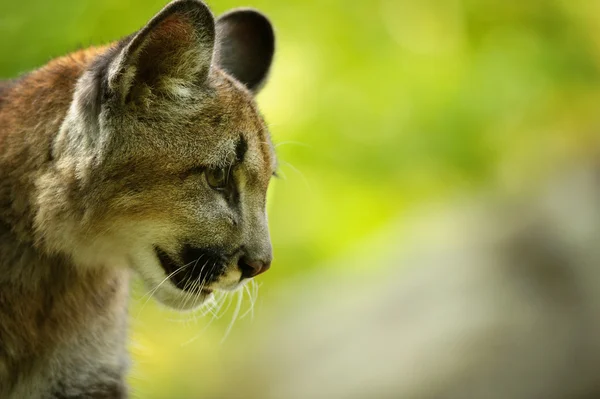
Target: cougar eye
[(216, 178)]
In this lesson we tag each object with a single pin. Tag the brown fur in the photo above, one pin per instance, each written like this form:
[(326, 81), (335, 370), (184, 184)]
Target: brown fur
[(102, 156)]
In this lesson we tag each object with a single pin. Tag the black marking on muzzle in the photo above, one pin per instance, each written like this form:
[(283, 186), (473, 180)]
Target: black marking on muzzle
[(195, 269)]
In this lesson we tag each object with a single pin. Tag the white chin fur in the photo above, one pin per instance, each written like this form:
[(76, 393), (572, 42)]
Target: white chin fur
[(173, 297), (153, 276)]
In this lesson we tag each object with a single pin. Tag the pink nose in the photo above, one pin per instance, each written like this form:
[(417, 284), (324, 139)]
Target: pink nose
[(252, 268)]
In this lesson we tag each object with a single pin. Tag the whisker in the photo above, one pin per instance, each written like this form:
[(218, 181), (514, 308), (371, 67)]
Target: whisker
[(152, 291), (281, 174), (148, 295), (255, 287), (251, 307), (199, 334), (234, 316), (187, 295), (229, 301), (304, 179)]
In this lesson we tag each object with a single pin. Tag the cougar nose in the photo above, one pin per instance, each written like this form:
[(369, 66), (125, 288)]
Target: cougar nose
[(252, 267)]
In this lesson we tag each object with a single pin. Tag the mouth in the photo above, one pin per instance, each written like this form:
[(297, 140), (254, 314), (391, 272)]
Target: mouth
[(195, 269)]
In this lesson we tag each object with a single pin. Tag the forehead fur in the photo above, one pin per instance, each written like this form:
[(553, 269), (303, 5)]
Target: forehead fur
[(200, 128)]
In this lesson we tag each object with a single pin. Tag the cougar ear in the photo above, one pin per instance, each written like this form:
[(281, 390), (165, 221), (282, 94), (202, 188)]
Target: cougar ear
[(172, 51), (245, 46)]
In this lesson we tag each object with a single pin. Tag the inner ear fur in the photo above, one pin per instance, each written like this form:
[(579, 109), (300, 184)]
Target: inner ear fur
[(175, 47), (245, 45)]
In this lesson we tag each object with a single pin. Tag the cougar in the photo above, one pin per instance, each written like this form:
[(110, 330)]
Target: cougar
[(144, 156)]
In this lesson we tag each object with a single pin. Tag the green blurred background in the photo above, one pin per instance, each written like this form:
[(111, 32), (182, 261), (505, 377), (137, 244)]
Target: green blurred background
[(376, 107)]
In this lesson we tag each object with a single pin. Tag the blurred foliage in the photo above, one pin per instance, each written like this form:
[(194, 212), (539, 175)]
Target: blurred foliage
[(375, 107)]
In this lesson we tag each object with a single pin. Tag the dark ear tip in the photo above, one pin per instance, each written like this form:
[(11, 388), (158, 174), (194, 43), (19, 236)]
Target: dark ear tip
[(246, 13), (251, 17), (247, 48), (201, 16)]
